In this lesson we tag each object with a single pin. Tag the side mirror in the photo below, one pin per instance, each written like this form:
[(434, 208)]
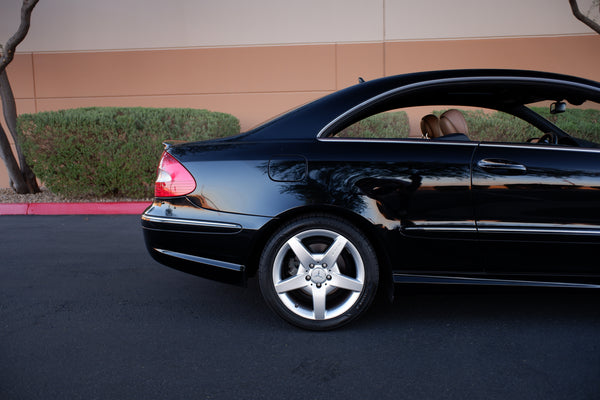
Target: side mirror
[(558, 107)]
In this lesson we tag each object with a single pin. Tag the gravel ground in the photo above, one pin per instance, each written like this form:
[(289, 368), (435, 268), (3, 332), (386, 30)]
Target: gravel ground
[(45, 196)]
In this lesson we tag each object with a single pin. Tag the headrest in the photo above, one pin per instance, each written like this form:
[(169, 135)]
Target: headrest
[(430, 126), (453, 121)]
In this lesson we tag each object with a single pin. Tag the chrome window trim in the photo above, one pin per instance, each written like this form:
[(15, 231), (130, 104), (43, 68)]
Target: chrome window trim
[(463, 143), (191, 222), (400, 140), (433, 82)]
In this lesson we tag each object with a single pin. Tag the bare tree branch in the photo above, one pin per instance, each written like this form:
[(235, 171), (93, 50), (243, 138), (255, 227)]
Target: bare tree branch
[(8, 50), (583, 18)]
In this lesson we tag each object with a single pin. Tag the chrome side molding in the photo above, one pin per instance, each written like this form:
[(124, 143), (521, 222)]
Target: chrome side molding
[(192, 222), (202, 260), (454, 280)]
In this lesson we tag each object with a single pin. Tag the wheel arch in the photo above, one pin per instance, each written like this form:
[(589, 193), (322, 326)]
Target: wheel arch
[(385, 271)]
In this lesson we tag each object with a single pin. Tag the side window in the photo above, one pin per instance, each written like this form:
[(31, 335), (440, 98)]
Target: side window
[(443, 122), (386, 125)]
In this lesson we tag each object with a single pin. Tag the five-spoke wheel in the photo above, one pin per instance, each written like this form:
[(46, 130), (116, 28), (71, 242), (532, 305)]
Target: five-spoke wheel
[(318, 272)]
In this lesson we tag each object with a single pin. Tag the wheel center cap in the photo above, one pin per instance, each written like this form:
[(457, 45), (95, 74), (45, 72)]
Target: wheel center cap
[(318, 275)]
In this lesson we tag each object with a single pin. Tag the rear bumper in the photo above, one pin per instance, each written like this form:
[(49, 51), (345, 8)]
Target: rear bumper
[(200, 266), (201, 242)]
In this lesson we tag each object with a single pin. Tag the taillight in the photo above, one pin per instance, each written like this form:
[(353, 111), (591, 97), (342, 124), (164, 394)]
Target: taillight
[(172, 178)]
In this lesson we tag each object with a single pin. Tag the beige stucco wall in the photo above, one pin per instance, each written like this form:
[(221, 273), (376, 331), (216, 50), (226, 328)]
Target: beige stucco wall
[(257, 59), (76, 25)]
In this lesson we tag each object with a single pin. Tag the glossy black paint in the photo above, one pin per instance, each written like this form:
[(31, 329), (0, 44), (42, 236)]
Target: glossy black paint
[(434, 208), (551, 210)]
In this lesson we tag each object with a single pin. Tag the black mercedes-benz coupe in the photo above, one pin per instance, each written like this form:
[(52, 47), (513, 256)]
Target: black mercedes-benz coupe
[(488, 177)]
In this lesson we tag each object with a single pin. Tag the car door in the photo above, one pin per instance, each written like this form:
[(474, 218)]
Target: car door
[(537, 208), (417, 191)]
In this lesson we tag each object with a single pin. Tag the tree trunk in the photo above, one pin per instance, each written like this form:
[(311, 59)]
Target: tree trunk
[(9, 109), (17, 182), (22, 178)]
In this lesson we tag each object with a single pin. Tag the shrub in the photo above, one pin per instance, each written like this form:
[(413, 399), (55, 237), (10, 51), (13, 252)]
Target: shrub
[(384, 125), (110, 152)]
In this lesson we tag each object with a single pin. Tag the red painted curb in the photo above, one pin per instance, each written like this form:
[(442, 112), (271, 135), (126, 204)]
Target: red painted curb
[(13, 209), (99, 208)]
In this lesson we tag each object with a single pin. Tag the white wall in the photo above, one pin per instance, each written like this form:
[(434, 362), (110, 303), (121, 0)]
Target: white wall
[(436, 19), (76, 25)]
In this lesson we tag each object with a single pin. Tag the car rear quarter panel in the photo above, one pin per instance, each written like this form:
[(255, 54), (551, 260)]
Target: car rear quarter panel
[(393, 185)]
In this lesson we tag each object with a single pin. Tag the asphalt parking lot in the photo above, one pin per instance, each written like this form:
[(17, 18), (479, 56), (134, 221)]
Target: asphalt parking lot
[(85, 313)]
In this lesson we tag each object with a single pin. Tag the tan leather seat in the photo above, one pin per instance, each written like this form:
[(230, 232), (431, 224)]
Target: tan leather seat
[(453, 121), (430, 126)]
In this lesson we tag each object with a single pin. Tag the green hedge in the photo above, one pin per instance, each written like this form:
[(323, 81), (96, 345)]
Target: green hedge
[(110, 152), (384, 125), (502, 127)]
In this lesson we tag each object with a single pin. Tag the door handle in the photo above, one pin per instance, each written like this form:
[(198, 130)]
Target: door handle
[(504, 167)]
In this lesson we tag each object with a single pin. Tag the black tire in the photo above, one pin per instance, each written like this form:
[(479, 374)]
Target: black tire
[(338, 284)]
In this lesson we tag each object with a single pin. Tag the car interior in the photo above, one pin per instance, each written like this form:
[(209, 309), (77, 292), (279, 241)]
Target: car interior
[(515, 99), (451, 125)]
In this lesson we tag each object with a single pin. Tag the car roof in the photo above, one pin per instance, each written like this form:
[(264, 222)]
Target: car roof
[(485, 87)]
